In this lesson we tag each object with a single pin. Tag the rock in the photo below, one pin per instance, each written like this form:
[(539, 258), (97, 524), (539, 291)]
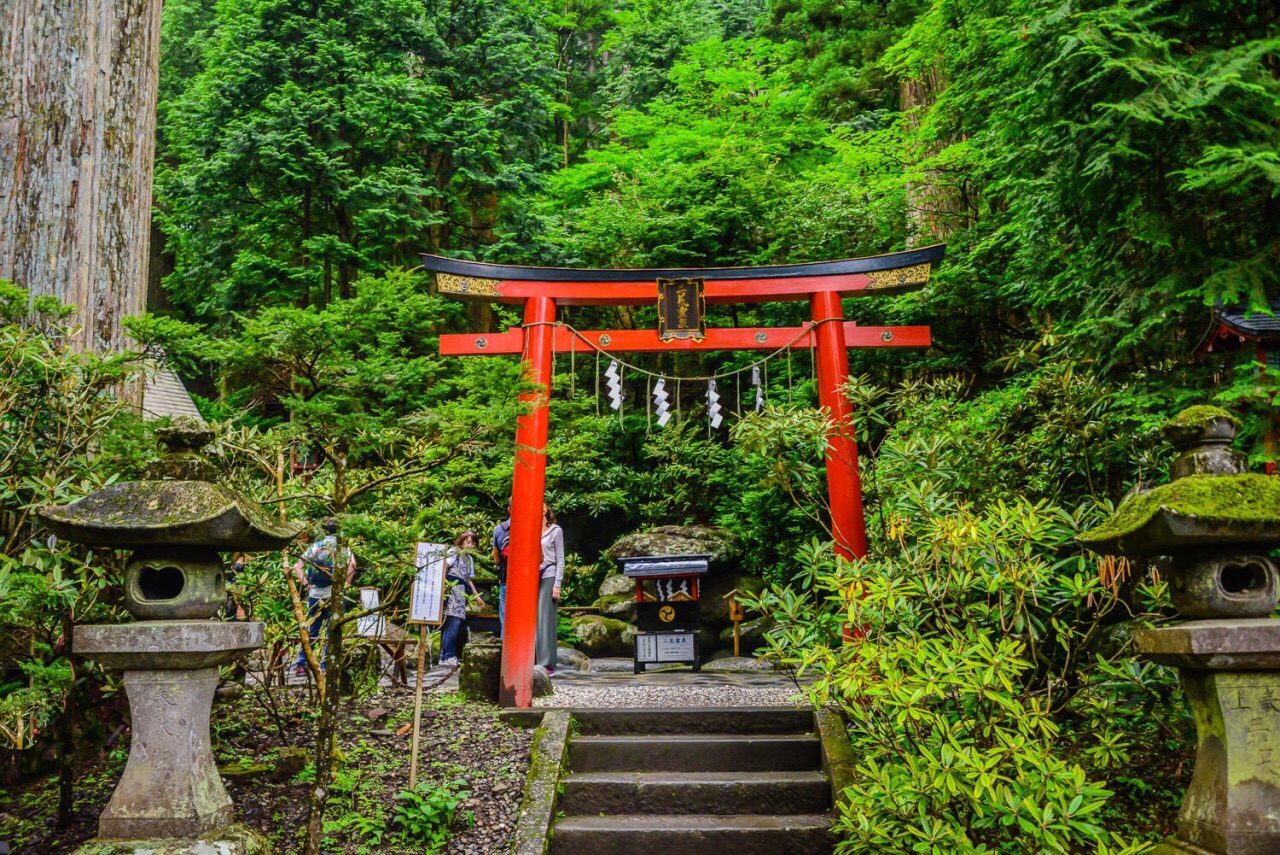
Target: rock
[(289, 762), (602, 636), (713, 608), (382, 732), (481, 671), (541, 682), (570, 659), (751, 634), (612, 666), (678, 540), (231, 840), (377, 715), (620, 606), (230, 691), (243, 771), (615, 585), (737, 663), (708, 639)]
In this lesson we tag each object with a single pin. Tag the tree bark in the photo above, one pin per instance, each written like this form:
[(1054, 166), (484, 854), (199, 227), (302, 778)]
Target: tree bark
[(936, 204), (77, 145)]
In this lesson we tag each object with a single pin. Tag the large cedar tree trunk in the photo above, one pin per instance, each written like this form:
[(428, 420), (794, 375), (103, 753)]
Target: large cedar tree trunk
[(937, 203), (77, 139)]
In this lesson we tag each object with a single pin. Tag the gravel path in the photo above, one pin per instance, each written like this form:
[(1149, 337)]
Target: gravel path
[(672, 689)]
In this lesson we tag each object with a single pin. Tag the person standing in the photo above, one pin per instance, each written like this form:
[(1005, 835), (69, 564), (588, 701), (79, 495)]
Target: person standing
[(460, 567), (319, 560), (552, 576), (501, 542)]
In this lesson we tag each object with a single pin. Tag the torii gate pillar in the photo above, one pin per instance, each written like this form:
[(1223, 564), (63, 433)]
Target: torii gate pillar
[(844, 488), (528, 489)]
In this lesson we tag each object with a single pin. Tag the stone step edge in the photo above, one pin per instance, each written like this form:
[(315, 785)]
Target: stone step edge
[(664, 717), (666, 823), (640, 777)]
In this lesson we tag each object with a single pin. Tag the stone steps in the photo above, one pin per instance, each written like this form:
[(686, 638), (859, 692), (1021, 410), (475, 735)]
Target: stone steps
[(648, 721), (711, 793), (696, 781), (717, 752), (692, 835)]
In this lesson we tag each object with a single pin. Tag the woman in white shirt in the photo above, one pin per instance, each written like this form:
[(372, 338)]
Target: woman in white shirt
[(552, 576)]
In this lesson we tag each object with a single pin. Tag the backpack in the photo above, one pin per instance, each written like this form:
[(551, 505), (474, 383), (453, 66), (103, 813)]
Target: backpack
[(319, 559), (504, 551)]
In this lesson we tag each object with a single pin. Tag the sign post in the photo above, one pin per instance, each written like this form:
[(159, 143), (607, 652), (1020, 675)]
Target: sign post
[(426, 608), (736, 614)]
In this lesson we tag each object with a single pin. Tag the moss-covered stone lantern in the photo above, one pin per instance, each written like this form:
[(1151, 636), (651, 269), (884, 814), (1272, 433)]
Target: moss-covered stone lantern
[(170, 799), (1218, 525)]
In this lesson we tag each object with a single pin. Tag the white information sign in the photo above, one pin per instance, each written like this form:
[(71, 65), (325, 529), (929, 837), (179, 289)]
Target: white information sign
[(426, 604), (665, 647), (675, 648), (370, 626)]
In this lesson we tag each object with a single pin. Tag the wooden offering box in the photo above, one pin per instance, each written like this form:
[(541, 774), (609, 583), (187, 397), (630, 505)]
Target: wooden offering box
[(666, 607)]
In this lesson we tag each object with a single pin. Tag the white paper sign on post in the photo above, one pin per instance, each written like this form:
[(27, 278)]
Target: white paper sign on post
[(427, 602), (370, 626)]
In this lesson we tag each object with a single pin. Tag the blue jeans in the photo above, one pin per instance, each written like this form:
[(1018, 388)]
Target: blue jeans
[(451, 637), (502, 607), (318, 612)]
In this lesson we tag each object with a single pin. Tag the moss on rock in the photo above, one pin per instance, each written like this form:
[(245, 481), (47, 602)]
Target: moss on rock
[(602, 636), (1243, 506), (677, 540), (1193, 423)]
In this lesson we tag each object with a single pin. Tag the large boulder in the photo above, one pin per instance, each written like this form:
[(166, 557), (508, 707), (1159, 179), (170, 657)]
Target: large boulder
[(541, 682), (616, 585), (713, 608), (569, 659), (620, 606), (679, 540), (750, 635), (602, 636)]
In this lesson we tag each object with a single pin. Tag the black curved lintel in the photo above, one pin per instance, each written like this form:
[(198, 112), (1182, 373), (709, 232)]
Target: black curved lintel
[(483, 270)]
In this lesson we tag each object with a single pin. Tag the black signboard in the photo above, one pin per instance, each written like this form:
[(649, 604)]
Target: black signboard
[(663, 617), (682, 309)]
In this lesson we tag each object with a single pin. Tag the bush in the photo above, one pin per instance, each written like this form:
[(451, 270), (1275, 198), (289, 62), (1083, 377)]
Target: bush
[(982, 698)]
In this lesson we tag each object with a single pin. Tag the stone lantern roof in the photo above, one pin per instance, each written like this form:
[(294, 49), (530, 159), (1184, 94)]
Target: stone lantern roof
[(177, 505), (1212, 501)]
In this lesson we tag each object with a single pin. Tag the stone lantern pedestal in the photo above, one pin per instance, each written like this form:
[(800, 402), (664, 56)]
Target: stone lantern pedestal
[(1230, 671), (1217, 524), (170, 799), (170, 787)]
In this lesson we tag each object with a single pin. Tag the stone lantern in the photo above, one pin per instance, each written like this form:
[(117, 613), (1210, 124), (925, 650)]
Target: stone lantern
[(1218, 526), (170, 798)]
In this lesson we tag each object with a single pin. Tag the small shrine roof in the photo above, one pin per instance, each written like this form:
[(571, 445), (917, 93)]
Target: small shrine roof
[(1241, 318)]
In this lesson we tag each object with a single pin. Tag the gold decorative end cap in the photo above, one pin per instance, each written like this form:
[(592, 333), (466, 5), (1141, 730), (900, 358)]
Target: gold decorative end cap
[(901, 277), (469, 286)]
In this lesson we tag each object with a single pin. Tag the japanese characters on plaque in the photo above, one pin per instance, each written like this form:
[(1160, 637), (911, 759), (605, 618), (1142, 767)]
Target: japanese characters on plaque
[(426, 603), (682, 308)]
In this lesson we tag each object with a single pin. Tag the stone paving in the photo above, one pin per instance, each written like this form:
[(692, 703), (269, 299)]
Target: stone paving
[(611, 683)]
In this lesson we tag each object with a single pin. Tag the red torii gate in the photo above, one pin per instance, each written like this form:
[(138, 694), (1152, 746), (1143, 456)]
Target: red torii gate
[(542, 289)]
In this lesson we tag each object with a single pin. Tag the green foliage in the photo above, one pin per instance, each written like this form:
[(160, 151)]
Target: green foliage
[(425, 814), (315, 143), (982, 632), (64, 433)]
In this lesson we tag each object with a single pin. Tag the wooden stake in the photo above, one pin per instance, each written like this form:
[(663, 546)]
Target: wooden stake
[(417, 706), (736, 640)]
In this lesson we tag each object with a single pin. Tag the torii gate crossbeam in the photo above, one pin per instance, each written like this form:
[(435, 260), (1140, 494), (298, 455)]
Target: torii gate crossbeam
[(542, 289)]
